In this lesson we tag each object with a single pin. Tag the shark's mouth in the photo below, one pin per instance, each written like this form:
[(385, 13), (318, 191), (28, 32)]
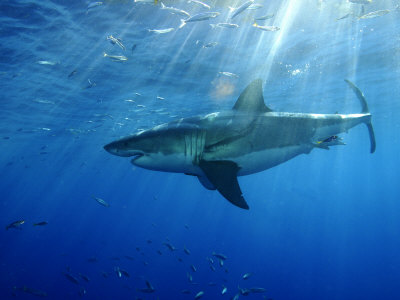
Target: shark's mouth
[(136, 156)]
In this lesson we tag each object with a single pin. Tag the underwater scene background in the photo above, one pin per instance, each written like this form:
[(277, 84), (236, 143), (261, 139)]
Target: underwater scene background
[(321, 226)]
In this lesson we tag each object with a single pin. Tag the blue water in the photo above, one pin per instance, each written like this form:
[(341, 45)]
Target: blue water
[(321, 226)]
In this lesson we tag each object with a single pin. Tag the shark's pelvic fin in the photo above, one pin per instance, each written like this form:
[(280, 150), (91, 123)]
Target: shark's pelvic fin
[(251, 100), (364, 110), (223, 175)]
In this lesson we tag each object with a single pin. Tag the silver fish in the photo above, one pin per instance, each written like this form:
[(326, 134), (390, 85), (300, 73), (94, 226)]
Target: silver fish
[(101, 201), (265, 17), (224, 25), (116, 57), (241, 8), (200, 3), (199, 17), (175, 10), (374, 14), (160, 31), (117, 41), (229, 74), (266, 28), (199, 295)]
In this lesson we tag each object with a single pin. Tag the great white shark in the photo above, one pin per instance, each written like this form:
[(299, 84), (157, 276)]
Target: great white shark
[(249, 138)]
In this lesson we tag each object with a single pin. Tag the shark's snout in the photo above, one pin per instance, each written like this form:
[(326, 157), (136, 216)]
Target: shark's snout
[(116, 149)]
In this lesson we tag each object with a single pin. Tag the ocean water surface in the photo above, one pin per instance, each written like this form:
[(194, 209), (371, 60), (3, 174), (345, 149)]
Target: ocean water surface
[(321, 226)]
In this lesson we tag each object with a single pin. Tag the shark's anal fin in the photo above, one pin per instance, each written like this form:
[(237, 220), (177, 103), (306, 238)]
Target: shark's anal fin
[(223, 175), (251, 100)]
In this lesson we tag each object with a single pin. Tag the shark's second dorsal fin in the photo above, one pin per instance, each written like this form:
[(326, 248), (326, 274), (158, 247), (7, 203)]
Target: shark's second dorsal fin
[(251, 99)]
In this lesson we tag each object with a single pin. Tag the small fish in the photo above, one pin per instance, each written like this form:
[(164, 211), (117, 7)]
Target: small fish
[(104, 274), (175, 10), (219, 255), (186, 250), (212, 283), (72, 73), (116, 57), (212, 268), (160, 98), (161, 31), (236, 297), (257, 290), (244, 292), (118, 272), (209, 45), (241, 8), (224, 290), (224, 25), (170, 246), (255, 6), (93, 5), (84, 277), (334, 140), (41, 223), (114, 40), (133, 47), (266, 28), (71, 278), (374, 14), (189, 277), (125, 273), (265, 17), (101, 201), (90, 85), (247, 276), (193, 268), (229, 74), (82, 291), (199, 295), (210, 260), (360, 1), (15, 224), (31, 291), (46, 62), (199, 17), (200, 3), (149, 289), (221, 263), (186, 292), (159, 252), (344, 17)]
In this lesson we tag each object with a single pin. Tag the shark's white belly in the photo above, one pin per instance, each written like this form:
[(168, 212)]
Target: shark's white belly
[(254, 162)]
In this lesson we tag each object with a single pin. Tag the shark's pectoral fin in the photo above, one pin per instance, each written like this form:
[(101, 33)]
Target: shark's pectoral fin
[(206, 183), (223, 175)]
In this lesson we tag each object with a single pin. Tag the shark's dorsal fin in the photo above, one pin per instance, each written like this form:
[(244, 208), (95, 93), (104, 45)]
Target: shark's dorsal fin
[(223, 175), (251, 99)]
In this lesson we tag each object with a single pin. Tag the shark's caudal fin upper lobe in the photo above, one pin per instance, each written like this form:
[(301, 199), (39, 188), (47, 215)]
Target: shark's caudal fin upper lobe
[(364, 110)]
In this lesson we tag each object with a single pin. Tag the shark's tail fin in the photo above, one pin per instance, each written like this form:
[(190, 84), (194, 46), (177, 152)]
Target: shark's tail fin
[(365, 110), (183, 23)]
